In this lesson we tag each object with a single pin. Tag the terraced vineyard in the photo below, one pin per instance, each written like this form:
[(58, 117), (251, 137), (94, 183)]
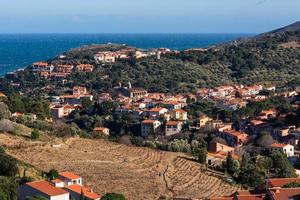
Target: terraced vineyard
[(139, 173)]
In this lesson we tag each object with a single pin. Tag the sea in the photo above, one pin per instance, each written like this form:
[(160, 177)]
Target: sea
[(20, 50)]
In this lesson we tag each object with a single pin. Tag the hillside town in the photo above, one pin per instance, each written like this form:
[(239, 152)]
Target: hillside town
[(161, 116)]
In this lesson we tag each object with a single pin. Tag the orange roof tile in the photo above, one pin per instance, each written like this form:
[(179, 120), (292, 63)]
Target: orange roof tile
[(69, 175), (277, 145), (46, 188), (172, 123), (285, 193), (280, 182), (148, 121), (86, 191)]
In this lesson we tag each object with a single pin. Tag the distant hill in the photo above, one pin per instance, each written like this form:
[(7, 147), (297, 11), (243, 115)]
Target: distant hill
[(290, 28)]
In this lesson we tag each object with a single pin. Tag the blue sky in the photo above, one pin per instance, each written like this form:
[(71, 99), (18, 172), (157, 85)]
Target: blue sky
[(146, 16)]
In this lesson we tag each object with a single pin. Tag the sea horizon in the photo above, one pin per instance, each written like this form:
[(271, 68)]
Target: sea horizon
[(18, 50)]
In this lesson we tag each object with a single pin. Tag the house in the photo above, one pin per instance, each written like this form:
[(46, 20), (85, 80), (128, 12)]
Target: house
[(77, 90), (134, 93), (106, 57), (267, 114), (178, 114), (42, 67), (287, 149), (61, 111), (234, 138), (157, 112), (215, 147), (173, 127), (149, 126), (203, 120), (84, 68), (284, 131), (69, 178), (101, 131), (42, 188), (76, 191), (172, 105), (64, 68)]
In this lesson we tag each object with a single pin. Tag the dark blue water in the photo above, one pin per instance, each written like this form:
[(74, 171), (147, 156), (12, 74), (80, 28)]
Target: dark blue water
[(20, 50)]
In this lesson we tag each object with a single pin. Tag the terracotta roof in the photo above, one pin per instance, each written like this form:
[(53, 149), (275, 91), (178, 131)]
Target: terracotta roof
[(280, 182), (172, 123), (69, 175), (277, 145), (222, 198), (156, 109), (179, 110), (148, 121), (285, 193), (40, 64), (46, 188), (86, 191), (99, 128)]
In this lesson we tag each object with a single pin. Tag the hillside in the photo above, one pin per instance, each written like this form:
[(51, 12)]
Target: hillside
[(139, 173), (269, 58)]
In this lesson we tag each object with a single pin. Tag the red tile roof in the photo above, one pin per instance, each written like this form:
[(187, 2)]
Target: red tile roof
[(285, 193), (172, 123), (277, 145), (46, 188), (69, 175), (280, 182), (86, 191)]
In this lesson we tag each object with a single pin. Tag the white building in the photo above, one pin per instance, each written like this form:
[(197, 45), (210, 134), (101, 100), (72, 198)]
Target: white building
[(69, 178), (287, 149), (44, 189)]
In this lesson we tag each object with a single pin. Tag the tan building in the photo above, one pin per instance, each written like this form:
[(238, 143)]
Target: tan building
[(178, 114), (287, 149), (173, 127), (203, 120)]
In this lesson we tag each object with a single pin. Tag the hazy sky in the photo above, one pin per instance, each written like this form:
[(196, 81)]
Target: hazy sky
[(146, 16)]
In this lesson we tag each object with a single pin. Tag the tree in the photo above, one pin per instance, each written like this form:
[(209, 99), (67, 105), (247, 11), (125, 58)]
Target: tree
[(113, 196), (264, 163), (2, 149), (86, 103), (8, 165), (202, 155), (251, 176), (292, 185), (232, 165), (82, 195), (282, 166), (52, 174), (4, 111), (35, 134)]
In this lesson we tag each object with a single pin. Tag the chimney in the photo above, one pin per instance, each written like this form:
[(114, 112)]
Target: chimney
[(129, 85)]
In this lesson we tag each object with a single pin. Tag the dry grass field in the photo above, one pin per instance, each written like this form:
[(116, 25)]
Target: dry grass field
[(139, 173)]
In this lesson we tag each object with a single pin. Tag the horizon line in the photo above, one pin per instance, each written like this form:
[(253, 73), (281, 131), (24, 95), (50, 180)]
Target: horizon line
[(120, 33)]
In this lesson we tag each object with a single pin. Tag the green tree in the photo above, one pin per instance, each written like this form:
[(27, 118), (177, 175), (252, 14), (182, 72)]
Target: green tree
[(113, 196), (251, 176), (292, 185), (282, 166), (2, 149), (8, 165), (52, 174), (232, 166), (35, 134), (202, 155)]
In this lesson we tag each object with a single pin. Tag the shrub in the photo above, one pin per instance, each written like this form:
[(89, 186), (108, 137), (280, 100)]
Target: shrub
[(2, 149), (52, 174), (35, 134), (113, 196), (8, 165)]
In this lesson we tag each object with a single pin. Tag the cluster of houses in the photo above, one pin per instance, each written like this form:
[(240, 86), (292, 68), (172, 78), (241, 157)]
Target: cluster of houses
[(232, 97), (47, 70), (272, 189), (127, 53), (68, 186)]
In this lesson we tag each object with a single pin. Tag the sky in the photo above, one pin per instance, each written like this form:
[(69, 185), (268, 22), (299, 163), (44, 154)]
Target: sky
[(146, 16)]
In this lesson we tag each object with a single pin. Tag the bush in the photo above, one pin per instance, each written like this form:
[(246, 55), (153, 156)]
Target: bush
[(9, 166), (4, 111), (35, 134), (292, 185), (113, 196), (2, 149)]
